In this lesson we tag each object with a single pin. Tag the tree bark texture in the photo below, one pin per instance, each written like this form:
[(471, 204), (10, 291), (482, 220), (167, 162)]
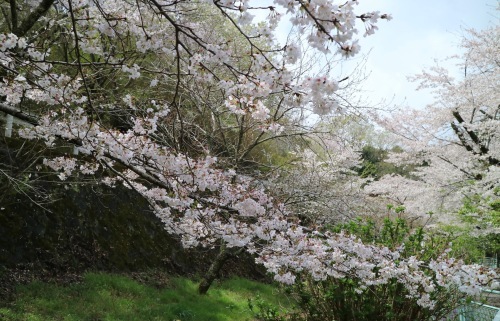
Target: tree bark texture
[(213, 271)]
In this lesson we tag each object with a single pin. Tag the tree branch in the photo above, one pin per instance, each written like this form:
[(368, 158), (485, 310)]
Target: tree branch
[(13, 16), (18, 114), (33, 17), (473, 136)]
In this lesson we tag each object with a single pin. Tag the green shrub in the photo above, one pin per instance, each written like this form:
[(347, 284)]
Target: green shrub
[(342, 299)]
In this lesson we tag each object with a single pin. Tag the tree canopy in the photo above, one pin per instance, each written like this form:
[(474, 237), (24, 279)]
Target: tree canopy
[(170, 98)]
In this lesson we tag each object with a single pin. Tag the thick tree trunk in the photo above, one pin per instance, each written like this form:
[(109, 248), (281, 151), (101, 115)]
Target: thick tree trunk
[(213, 271)]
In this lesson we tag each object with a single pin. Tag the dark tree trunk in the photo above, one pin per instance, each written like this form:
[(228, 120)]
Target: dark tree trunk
[(213, 271)]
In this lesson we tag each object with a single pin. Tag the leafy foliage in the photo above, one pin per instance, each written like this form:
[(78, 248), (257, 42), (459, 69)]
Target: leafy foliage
[(482, 211), (374, 163)]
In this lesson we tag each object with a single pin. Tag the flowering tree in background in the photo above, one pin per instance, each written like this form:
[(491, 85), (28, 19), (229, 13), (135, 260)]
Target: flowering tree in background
[(322, 183), (70, 68), (456, 139)]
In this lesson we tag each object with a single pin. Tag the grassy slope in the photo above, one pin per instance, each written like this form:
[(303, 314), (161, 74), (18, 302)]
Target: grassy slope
[(118, 298)]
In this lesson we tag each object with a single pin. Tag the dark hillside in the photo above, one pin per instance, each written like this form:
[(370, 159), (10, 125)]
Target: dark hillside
[(86, 226)]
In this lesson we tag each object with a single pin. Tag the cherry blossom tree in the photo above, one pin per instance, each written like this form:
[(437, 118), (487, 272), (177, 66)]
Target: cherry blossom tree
[(321, 183), (69, 66), (455, 140)]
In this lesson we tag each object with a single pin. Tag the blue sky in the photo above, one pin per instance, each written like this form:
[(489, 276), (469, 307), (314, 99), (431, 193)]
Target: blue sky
[(420, 32)]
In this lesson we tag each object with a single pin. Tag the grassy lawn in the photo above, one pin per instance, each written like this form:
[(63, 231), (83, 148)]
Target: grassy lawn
[(118, 298)]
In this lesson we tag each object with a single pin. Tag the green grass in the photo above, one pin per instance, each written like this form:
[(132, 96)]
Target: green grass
[(105, 297)]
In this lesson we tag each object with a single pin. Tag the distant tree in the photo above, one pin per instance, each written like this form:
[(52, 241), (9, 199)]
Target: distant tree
[(375, 165), (322, 183), (457, 137)]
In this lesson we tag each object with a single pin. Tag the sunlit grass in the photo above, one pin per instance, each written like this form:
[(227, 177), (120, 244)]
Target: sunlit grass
[(118, 298)]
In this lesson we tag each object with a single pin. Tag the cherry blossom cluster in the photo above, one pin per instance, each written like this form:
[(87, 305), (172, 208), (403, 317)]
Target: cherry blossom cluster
[(10, 41), (322, 188), (36, 81), (203, 205), (118, 45), (202, 54), (321, 90), (340, 256)]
